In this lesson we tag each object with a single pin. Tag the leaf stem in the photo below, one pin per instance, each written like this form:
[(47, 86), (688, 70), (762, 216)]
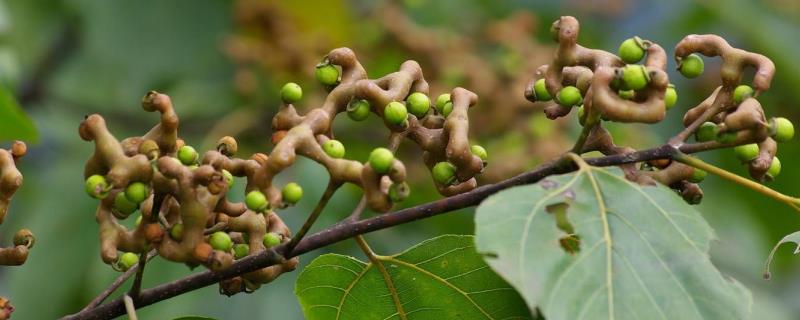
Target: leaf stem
[(329, 191), (362, 243)]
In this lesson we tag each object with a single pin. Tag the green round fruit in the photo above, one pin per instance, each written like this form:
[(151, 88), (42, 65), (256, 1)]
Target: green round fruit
[(691, 66), (97, 186), (220, 241), (228, 177), (707, 131), (358, 110), (540, 89), (137, 192), (480, 152), (127, 260), (774, 168), (581, 115), (447, 109), (442, 100), (291, 92), (138, 220), (626, 94), (271, 239), (418, 104), (292, 193), (176, 232), (240, 250), (698, 176), (256, 201), (569, 96), (327, 74), (381, 160), (670, 96), (334, 149), (123, 205), (187, 155), (631, 50), (746, 152), (395, 113), (399, 191), (783, 130), (741, 93), (444, 173), (635, 76)]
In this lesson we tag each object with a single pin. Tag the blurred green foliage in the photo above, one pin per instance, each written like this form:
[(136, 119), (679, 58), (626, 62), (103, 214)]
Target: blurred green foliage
[(124, 48)]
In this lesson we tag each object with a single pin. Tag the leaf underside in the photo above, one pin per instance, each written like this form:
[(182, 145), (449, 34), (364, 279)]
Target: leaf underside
[(592, 245), (441, 278), (791, 238)]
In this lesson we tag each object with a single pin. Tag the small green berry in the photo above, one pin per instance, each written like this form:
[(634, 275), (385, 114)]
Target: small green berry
[(291, 92), (399, 192), (176, 232), (698, 176), (292, 193), (127, 260), (256, 201), (240, 250), (626, 94), (746, 152), (441, 100), (581, 115), (123, 205), (741, 93), (707, 131), (774, 168), (228, 177), (358, 110), (631, 50), (480, 152), (334, 149), (726, 137), (138, 220), (327, 74), (220, 241), (691, 66), (569, 96), (783, 130), (272, 239), (187, 155), (395, 113), (381, 160), (540, 89), (444, 173), (635, 76), (418, 104), (670, 96), (137, 192), (447, 109), (97, 186)]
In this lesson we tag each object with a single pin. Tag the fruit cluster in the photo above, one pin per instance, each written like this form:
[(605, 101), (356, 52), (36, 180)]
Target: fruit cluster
[(10, 181), (608, 87)]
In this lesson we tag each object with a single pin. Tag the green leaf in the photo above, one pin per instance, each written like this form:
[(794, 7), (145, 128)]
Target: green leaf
[(591, 244), (791, 238), (440, 278), (14, 124)]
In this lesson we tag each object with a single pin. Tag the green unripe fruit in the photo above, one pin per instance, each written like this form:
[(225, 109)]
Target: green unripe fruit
[(395, 113), (381, 160), (783, 130), (540, 89), (292, 193), (220, 241), (774, 168), (123, 205), (447, 109), (176, 233), (741, 93), (272, 239), (418, 104), (626, 94), (726, 137), (670, 96), (399, 192), (327, 74), (707, 131), (581, 115), (480, 152), (444, 173), (441, 100), (256, 201), (240, 250), (698, 176), (127, 260), (631, 50), (137, 192), (691, 66), (97, 186), (187, 155), (569, 96), (291, 92), (228, 177), (138, 220), (334, 149), (635, 76), (746, 152), (358, 110)]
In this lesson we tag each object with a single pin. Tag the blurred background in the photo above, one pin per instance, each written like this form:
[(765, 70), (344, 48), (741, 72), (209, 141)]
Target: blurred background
[(223, 62)]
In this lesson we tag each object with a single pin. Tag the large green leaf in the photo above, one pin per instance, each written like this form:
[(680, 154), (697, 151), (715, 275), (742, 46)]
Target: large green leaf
[(592, 245), (14, 124), (441, 278)]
